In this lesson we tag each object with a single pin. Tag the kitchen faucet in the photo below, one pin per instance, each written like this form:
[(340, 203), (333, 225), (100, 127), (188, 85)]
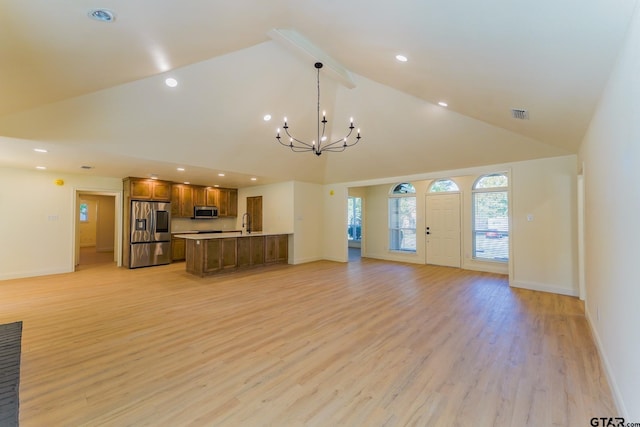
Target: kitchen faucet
[(248, 223)]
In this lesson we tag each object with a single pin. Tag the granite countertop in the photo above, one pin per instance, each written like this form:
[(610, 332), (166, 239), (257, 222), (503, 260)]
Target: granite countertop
[(204, 236)]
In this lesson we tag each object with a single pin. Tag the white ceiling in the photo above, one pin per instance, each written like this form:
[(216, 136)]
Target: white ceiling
[(92, 93)]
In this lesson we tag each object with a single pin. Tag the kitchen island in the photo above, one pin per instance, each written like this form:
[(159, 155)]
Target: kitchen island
[(208, 254)]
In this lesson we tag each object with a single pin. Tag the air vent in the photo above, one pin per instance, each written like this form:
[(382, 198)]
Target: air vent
[(519, 114), (86, 167)]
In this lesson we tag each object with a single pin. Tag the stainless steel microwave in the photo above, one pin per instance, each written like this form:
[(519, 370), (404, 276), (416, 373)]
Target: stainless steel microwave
[(205, 212)]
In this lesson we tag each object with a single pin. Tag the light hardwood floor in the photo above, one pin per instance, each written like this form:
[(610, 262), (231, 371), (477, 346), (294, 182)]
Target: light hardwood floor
[(368, 343)]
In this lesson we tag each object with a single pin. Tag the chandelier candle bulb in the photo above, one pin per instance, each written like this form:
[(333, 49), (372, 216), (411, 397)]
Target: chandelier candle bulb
[(335, 146)]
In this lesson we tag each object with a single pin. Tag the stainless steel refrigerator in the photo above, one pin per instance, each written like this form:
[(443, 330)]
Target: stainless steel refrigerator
[(150, 234)]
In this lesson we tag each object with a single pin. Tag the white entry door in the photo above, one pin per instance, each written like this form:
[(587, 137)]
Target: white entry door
[(442, 229)]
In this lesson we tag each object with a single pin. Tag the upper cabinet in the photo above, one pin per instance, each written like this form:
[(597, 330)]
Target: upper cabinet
[(228, 202), (148, 189), (184, 197), (181, 201)]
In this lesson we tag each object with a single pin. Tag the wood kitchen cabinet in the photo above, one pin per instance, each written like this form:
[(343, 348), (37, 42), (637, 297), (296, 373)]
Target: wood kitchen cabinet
[(148, 189), (208, 256), (228, 202), (178, 249), (199, 195), (226, 199), (250, 251), (212, 197), (276, 248), (213, 255), (181, 201)]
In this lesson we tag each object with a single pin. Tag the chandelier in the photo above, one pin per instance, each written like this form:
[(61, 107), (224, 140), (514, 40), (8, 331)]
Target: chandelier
[(320, 144)]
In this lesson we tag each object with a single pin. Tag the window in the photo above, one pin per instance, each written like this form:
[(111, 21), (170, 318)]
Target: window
[(84, 212), (491, 218), (354, 219), (443, 185), (402, 218)]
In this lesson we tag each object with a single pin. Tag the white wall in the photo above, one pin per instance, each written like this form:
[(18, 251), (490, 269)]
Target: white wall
[(335, 197), (37, 226), (309, 223), (611, 156), (545, 251), (277, 206)]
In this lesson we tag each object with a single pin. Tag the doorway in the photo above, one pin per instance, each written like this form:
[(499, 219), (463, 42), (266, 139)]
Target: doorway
[(97, 229), (442, 229)]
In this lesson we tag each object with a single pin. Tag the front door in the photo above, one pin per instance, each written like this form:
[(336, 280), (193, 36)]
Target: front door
[(442, 229)]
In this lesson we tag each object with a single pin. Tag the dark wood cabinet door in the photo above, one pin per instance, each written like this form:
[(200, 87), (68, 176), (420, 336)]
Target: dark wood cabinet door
[(161, 191), (257, 249), (213, 255), (199, 196), (229, 253), (178, 249)]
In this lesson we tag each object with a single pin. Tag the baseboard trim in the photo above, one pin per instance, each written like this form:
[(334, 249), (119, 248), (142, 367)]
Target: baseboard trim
[(305, 260), (33, 273), (615, 390), (544, 288)]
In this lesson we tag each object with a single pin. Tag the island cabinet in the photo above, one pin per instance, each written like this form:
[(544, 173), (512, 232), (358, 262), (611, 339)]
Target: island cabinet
[(276, 248), (147, 189), (217, 254), (251, 251), (209, 256)]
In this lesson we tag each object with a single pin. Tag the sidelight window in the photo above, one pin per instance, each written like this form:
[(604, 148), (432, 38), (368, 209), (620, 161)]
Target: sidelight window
[(402, 218), (354, 219), (491, 218)]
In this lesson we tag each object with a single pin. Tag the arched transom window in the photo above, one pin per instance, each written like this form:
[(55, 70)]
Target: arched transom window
[(443, 185)]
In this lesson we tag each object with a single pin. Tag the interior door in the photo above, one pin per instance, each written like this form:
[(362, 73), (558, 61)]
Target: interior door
[(442, 229), (254, 209)]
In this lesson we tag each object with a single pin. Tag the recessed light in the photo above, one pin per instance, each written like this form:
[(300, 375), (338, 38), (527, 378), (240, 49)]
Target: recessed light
[(443, 104), (102, 15), (153, 176), (220, 174), (402, 58), (171, 82), (39, 150), (254, 179), (187, 182), (180, 169), (266, 117), (41, 167), (216, 185)]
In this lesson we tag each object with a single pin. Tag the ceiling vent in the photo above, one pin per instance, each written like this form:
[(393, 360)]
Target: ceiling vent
[(86, 167), (519, 114)]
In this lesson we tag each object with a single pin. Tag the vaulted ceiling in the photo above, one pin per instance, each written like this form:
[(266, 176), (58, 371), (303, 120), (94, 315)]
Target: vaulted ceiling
[(93, 93)]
